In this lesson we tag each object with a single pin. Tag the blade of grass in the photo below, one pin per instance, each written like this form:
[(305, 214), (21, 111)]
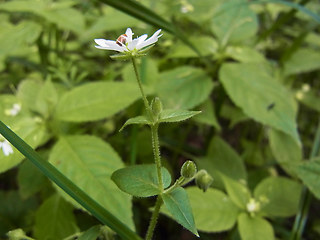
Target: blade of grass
[(143, 13), (68, 186)]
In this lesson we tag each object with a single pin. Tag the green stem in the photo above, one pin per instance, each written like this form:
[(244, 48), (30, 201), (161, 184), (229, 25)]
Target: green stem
[(145, 100), (156, 153), (154, 218), (306, 196)]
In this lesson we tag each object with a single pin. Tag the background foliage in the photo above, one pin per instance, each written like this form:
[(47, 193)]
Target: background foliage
[(257, 89)]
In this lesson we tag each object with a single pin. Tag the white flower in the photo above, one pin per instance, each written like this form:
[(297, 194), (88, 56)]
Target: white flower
[(253, 206), (125, 44), (16, 108), (6, 147)]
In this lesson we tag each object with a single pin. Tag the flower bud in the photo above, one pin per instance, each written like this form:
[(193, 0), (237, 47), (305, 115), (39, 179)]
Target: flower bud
[(156, 107), (188, 169), (203, 180)]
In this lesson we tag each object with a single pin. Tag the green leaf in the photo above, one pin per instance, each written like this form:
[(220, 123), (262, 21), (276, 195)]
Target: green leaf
[(253, 228), (141, 120), (245, 54), (234, 21), (213, 210), (47, 99), (171, 115), (178, 205), (14, 38), (91, 234), (221, 158), (183, 87), (58, 13), (68, 186), (238, 193), (89, 162), (303, 60), (141, 180), (18, 234), (94, 101), (32, 131), (279, 196), (254, 90), (206, 46), (309, 173), (54, 219), (207, 115), (286, 150)]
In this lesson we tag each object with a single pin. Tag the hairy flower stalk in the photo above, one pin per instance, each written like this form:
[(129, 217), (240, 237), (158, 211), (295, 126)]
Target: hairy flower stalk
[(129, 48)]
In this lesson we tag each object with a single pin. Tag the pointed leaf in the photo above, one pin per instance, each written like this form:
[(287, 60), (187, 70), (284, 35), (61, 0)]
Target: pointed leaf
[(253, 228), (309, 173), (254, 89), (89, 162), (178, 205), (213, 210), (142, 120), (141, 180), (279, 196), (208, 115), (94, 101), (171, 115), (303, 60), (183, 87)]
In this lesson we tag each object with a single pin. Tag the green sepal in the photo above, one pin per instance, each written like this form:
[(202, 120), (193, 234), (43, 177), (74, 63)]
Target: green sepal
[(141, 180), (177, 203), (172, 115), (142, 120)]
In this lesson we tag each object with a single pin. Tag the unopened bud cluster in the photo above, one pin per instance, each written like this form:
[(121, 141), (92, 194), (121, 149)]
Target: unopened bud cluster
[(203, 180), (188, 169)]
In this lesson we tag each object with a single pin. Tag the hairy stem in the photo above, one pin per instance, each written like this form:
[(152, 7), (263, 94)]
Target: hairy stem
[(156, 153), (154, 218), (144, 98)]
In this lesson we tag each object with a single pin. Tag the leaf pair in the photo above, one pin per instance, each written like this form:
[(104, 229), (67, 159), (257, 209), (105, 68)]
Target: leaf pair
[(142, 181), (166, 116)]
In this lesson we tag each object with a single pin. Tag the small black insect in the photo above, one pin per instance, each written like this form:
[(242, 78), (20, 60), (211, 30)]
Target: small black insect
[(271, 106)]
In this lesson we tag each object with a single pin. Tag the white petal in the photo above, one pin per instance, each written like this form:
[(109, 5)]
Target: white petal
[(6, 148), (150, 41), (142, 38), (132, 45), (129, 34), (102, 42), (109, 45)]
